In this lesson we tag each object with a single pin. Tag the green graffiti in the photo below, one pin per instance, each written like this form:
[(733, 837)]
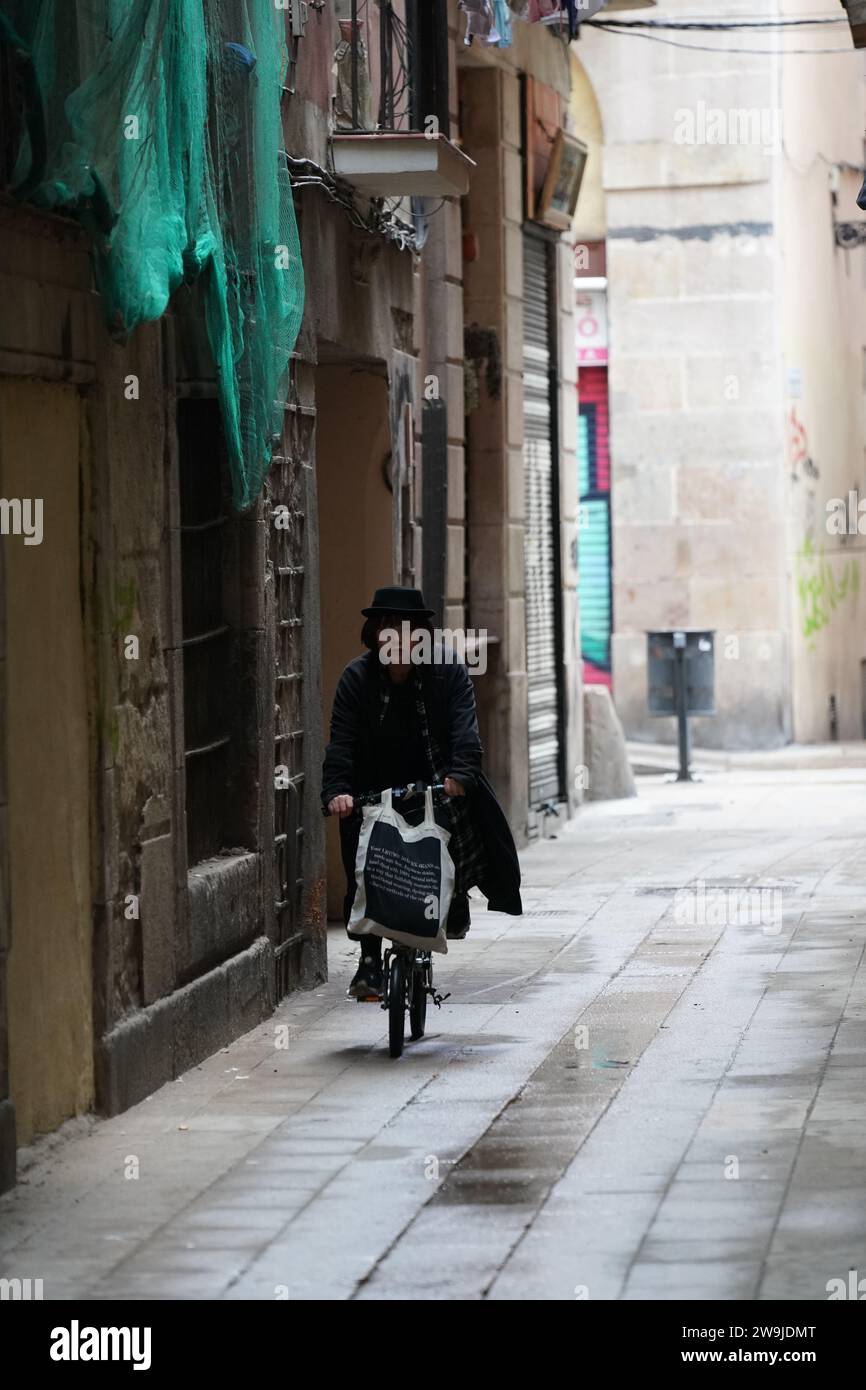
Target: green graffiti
[(821, 589), (108, 728), (125, 599), (115, 611), (113, 731)]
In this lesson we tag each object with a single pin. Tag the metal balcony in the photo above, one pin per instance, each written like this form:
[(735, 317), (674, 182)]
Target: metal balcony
[(391, 108)]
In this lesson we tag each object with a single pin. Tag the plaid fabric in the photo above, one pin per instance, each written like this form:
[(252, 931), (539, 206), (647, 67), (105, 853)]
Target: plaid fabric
[(466, 847)]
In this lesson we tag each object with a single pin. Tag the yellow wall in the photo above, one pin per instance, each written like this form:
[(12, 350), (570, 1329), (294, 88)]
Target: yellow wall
[(589, 219), (49, 968)]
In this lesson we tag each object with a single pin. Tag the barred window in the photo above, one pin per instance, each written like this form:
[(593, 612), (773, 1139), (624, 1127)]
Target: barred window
[(217, 760)]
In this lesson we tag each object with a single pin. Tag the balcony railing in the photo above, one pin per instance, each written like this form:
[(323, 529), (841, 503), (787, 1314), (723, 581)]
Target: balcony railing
[(384, 64), (392, 108)]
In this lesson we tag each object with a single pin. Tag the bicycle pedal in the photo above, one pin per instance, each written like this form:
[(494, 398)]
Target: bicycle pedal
[(439, 999)]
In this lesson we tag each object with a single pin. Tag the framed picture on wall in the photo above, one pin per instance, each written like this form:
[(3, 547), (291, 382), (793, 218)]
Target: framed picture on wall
[(558, 200)]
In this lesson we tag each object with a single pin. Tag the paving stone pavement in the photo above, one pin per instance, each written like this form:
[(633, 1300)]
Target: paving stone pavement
[(649, 1087)]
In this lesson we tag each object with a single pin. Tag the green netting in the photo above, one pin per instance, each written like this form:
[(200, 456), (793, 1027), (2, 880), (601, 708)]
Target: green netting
[(158, 123)]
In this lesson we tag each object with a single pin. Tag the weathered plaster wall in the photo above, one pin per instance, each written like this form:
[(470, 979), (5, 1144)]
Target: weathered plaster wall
[(146, 1028), (355, 537), (493, 298), (442, 354), (493, 289)]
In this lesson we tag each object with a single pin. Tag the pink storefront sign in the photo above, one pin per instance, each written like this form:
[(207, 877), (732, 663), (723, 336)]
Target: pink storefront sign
[(590, 326)]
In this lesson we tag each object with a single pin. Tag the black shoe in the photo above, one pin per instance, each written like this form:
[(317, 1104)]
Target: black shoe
[(367, 980), (458, 918)]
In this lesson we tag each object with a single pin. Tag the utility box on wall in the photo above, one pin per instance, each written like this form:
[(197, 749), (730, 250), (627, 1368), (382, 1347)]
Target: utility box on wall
[(698, 658), (680, 678)]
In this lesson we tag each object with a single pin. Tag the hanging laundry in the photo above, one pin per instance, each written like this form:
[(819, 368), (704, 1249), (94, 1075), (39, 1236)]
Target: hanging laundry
[(542, 9), (479, 19), (500, 34), (533, 11)]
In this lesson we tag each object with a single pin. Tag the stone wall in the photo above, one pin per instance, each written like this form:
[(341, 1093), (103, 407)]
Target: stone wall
[(737, 409), (696, 410)]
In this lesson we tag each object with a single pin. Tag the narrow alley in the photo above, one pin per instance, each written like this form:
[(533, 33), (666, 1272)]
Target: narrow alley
[(432, 674), (641, 1089)]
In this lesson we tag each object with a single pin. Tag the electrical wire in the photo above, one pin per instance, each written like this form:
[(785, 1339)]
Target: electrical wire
[(713, 48), (375, 223), (716, 26)]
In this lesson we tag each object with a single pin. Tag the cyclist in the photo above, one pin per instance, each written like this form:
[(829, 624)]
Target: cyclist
[(395, 721)]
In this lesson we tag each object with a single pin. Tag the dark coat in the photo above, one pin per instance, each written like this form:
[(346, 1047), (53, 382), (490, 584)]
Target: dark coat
[(349, 765)]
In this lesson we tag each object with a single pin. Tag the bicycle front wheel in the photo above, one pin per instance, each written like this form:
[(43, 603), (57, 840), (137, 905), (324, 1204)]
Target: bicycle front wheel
[(396, 1004)]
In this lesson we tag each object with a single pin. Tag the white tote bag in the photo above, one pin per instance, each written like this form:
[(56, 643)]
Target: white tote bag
[(405, 877)]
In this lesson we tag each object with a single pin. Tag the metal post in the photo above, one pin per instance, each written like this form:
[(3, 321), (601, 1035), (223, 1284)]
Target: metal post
[(386, 54), (680, 695), (354, 64)]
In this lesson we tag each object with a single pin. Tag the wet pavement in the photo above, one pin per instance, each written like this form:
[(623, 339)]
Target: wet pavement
[(650, 1086)]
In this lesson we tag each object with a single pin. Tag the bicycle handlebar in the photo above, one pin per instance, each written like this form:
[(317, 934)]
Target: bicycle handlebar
[(411, 789)]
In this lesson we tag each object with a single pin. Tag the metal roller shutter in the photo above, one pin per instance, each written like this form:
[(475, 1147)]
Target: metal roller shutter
[(540, 548)]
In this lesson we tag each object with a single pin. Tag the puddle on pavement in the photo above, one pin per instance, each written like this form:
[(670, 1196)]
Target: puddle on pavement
[(506, 1172), (499, 1190)]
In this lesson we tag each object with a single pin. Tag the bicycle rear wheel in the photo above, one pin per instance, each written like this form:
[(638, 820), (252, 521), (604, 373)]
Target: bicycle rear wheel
[(396, 1003), (418, 1004)]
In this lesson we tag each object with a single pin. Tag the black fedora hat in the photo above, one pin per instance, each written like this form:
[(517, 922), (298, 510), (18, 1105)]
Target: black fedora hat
[(395, 599)]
